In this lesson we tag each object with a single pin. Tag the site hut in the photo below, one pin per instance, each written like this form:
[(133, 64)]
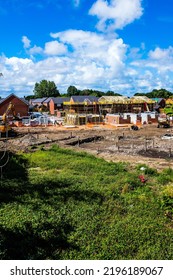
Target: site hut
[(56, 105), (20, 104)]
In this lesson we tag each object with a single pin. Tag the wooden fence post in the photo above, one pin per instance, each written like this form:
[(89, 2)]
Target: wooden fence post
[(170, 152)]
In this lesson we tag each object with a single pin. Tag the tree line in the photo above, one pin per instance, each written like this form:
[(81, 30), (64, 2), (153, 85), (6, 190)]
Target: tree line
[(46, 88), (156, 93)]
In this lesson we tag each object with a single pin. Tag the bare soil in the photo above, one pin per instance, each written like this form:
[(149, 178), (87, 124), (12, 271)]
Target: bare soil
[(144, 146)]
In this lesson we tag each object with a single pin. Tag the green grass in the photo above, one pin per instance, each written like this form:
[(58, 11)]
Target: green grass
[(60, 204)]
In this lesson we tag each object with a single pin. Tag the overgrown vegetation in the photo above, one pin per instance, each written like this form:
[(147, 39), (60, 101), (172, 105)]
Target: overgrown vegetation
[(60, 204)]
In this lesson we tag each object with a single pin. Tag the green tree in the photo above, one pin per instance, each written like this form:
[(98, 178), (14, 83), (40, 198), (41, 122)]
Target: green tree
[(112, 93), (92, 92), (139, 94), (28, 97), (87, 92), (159, 93), (72, 90), (46, 89)]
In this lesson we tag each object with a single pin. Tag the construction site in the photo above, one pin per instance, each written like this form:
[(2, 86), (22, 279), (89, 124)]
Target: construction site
[(148, 145), (118, 129)]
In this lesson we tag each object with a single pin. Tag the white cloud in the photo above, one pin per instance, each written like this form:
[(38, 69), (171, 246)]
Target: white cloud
[(117, 14), (153, 71), (88, 60), (26, 42), (106, 52), (161, 60), (93, 60), (55, 48), (18, 73), (159, 53), (35, 50), (16, 63), (79, 38)]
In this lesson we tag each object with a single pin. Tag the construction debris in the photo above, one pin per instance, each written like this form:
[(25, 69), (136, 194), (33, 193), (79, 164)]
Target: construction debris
[(146, 145)]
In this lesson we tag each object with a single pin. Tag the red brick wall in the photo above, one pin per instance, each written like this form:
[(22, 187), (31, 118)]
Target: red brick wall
[(51, 107), (115, 119), (124, 121), (20, 107), (112, 119)]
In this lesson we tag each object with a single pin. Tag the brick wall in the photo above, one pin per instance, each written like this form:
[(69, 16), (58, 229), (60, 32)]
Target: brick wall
[(116, 119), (20, 107), (52, 107)]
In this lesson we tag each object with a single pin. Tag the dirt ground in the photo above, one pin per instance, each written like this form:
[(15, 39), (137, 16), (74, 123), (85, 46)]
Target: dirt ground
[(144, 146)]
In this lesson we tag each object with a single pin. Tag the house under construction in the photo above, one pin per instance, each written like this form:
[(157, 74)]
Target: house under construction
[(123, 104), (90, 109), (108, 104), (83, 119), (82, 105)]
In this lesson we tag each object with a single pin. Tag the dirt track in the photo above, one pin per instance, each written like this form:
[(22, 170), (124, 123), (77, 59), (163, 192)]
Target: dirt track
[(123, 144)]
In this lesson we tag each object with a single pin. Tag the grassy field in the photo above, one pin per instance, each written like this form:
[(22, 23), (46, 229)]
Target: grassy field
[(60, 204)]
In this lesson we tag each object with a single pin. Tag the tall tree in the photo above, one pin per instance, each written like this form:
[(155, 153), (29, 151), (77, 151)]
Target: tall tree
[(139, 94), (159, 93), (72, 90), (46, 89), (92, 92), (112, 93)]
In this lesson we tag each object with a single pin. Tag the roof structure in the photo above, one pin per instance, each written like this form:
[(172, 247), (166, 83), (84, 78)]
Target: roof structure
[(47, 100), (114, 99), (141, 99), (125, 99), (157, 99), (25, 100), (60, 100), (39, 100), (84, 98), (12, 94), (169, 101)]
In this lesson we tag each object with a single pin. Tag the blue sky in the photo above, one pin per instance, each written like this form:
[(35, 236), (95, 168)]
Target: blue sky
[(121, 45)]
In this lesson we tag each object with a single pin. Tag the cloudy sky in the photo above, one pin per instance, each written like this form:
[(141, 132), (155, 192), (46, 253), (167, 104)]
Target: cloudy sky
[(121, 45)]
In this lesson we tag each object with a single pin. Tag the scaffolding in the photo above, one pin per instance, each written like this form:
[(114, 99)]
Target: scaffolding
[(83, 119), (111, 105)]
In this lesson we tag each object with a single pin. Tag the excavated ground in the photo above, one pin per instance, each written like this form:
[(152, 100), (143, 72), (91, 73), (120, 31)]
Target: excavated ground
[(113, 144)]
